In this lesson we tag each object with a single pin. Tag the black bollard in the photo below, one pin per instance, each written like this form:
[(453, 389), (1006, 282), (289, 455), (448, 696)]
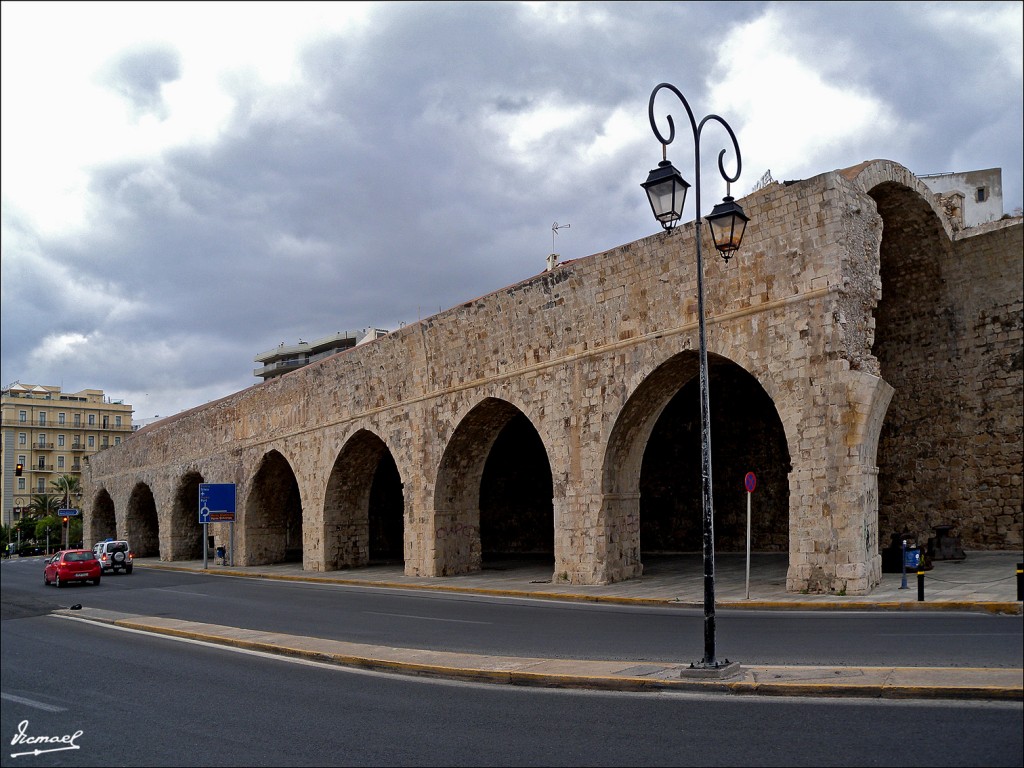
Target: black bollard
[(1020, 581), (920, 586)]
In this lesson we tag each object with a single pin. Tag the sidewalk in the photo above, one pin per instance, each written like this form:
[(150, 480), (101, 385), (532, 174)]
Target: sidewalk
[(983, 582)]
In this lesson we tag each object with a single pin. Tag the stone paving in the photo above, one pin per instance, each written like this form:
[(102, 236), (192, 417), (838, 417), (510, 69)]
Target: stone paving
[(985, 581)]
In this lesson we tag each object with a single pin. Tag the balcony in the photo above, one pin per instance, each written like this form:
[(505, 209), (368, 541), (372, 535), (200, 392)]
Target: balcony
[(78, 447), (43, 446)]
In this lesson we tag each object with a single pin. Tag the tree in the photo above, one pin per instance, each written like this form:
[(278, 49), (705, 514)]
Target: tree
[(68, 488), (53, 522), (43, 505)]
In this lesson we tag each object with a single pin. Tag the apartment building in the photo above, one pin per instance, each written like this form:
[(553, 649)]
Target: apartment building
[(286, 358), (52, 433)]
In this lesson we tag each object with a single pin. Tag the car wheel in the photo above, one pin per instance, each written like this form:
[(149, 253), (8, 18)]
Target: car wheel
[(96, 581), (46, 581), (129, 569), (57, 581)]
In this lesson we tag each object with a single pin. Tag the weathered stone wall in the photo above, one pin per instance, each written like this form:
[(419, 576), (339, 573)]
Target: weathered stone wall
[(588, 357), (951, 451)]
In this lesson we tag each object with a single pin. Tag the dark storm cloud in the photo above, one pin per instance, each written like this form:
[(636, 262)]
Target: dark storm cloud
[(385, 186), (139, 75)]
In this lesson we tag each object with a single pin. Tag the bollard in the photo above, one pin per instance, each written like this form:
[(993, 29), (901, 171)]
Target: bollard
[(920, 586), (1020, 581), (903, 557)]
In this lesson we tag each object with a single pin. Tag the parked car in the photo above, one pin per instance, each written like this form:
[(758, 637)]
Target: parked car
[(115, 555), (72, 565)]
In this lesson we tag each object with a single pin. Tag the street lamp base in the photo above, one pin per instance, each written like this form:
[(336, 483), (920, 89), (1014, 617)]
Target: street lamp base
[(716, 671)]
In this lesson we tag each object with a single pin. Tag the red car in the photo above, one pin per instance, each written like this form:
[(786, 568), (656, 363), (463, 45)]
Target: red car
[(72, 565)]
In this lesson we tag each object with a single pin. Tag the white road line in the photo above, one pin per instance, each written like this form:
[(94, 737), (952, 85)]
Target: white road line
[(426, 618), (31, 703)]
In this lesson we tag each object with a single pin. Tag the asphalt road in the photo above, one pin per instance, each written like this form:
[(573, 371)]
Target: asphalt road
[(537, 628), (138, 699)]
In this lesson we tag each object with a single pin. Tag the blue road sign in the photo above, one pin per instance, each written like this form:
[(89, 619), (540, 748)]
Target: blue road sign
[(216, 502), (67, 512)]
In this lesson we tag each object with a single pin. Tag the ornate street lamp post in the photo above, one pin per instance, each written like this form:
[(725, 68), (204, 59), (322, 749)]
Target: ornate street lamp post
[(666, 191)]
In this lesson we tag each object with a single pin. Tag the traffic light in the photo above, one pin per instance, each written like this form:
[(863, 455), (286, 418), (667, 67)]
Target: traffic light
[(65, 519), (18, 469)]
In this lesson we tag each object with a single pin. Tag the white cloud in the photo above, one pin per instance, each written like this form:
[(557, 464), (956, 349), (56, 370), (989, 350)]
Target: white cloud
[(796, 117), (60, 118)]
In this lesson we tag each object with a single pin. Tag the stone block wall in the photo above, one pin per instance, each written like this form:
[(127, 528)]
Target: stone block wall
[(589, 356)]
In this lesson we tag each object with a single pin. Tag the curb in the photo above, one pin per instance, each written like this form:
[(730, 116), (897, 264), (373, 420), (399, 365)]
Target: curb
[(665, 676), (986, 606)]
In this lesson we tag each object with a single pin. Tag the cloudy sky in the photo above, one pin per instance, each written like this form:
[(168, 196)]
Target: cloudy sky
[(187, 185)]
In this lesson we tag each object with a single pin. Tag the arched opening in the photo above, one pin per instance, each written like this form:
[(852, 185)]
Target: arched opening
[(746, 436), (364, 506), (925, 455), (387, 514), (186, 530), (142, 526), (102, 521), (516, 512), (652, 477), (273, 514), (493, 493)]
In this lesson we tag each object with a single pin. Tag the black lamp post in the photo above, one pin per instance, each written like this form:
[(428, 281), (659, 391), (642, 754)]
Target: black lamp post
[(666, 191)]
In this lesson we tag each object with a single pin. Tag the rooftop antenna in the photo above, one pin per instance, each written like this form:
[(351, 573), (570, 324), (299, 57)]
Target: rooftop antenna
[(553, 257)]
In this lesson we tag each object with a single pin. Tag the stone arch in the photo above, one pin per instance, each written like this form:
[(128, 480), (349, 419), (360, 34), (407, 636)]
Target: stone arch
[(364, 507), (102, 520), (142, 524), (465, 467), (272, 528), (659, 426), (922, 450), (516, 509), (747, 435), (186, 540)]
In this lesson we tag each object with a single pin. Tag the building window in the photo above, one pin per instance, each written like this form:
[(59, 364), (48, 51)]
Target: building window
[(42, 419), (92, 419), (982, 194), (60, 462), (92, 441), (22, 416), (117, 441), (21, 485), (42, 485), (60, 440), (60, 418), (42, 439), (117, 423), (78, 419), (21, 460), (22, 440)]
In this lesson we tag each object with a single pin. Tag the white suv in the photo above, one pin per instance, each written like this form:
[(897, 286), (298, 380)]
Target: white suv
[(114, 555)]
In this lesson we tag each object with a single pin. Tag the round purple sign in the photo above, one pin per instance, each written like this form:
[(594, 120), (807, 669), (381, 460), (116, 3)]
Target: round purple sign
[(750, 482)]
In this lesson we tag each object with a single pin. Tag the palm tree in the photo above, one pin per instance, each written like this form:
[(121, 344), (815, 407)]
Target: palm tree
[(69, 488), (43, 505)]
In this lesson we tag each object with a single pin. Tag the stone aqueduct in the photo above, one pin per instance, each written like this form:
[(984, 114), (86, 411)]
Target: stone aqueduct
[(865, 362)]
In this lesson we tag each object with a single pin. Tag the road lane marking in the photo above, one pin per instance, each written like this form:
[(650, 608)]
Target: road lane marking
[(426, 618), (31, 703)]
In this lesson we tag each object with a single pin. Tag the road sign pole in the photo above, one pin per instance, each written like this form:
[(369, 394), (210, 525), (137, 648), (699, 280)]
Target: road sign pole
[(750, 483), (748, 544), (206, 545)]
